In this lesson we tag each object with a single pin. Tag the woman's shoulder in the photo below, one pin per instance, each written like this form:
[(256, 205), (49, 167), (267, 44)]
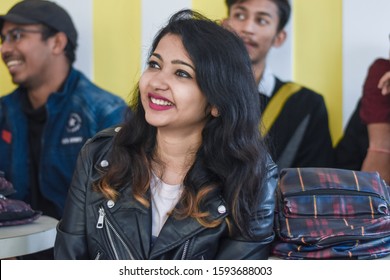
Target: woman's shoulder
[(107, 133), (99, 145)]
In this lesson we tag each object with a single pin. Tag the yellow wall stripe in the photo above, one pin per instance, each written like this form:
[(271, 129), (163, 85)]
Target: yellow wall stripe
[(215, 9), (117, 41), (318, 53), (6, 85)]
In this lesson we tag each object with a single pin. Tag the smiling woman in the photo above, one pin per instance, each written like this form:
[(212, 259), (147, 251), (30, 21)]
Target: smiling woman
[(188, 176)]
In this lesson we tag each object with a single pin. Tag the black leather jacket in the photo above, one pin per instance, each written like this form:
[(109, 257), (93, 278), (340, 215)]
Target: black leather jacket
[(96, 228)]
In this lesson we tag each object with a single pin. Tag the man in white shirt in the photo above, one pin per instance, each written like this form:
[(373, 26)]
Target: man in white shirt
[(295, 118)]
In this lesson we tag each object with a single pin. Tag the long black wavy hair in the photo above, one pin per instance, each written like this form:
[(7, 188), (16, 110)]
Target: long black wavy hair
[(231, 159)]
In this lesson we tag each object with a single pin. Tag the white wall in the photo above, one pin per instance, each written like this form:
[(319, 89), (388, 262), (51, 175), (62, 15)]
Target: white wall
[(280, 60), (154, 17), (366, 29), (82, 16)]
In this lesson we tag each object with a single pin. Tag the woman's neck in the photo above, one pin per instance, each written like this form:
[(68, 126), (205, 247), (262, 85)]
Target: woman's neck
[(174, 156)]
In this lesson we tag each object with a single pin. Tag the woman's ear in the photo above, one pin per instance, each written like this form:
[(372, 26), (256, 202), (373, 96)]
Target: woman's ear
[(214, 112)]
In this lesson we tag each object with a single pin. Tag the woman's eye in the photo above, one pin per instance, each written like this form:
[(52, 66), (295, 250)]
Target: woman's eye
[(183, 74), (153, 64)]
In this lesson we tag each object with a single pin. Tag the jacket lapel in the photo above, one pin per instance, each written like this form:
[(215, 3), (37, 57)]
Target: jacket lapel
[(134, 221), (175, 232)]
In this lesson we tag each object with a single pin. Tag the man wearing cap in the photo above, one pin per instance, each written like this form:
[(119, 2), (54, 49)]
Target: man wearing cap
[(55, 108)]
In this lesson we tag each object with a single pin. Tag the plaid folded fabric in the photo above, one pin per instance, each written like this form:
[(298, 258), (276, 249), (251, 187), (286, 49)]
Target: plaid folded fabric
[(6, 188), (321, 209), (349, 249), (16, 212)]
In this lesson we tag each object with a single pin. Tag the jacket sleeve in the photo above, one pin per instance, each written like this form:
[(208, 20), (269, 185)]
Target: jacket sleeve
[(236, 247), (71, 240)]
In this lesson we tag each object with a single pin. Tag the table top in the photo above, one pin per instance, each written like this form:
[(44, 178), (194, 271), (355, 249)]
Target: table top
[(29, 238)]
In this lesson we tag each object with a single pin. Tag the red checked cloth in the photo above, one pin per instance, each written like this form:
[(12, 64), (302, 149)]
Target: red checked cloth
[(325, 213)]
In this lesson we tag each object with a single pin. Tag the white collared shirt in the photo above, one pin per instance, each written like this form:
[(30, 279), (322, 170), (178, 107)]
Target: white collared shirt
[(267, 82)]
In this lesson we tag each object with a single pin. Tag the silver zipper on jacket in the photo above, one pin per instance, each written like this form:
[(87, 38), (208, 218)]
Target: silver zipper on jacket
[(100, 221), (109, 226), (186, 244)]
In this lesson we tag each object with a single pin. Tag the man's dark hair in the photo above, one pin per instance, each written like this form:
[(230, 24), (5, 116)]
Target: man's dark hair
[(70, 49), (284, 10)]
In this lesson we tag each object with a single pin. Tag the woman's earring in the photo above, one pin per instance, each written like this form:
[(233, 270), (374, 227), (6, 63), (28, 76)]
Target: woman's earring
[(215, 112)]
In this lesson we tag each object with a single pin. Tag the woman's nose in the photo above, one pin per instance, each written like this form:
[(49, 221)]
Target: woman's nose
[(159, 81)]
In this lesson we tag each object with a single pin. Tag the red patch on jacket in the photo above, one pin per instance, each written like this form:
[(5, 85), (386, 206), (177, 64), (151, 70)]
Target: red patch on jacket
[(6, 136)]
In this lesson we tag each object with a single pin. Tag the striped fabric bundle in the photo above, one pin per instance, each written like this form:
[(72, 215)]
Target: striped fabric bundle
[(6, 188), (14, 212), (325, 213)]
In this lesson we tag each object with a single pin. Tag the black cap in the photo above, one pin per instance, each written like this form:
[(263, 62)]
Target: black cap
[(43, 12)]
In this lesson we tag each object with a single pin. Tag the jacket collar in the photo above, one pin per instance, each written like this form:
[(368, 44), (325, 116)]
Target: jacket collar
[(175, 232)]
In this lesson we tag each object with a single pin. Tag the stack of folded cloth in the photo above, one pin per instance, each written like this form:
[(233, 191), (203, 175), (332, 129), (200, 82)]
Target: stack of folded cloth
[(12, 211)]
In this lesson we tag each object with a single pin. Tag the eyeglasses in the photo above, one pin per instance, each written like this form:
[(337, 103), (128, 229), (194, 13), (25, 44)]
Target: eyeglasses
[(15, 35)]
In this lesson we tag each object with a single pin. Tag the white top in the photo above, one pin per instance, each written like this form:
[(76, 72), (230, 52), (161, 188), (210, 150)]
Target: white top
[(164, 198)]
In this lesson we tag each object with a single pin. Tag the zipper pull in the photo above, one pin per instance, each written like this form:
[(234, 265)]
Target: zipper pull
[(101, 218), (184, 255)]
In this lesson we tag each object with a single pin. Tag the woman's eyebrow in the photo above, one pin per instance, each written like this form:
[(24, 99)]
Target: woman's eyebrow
[(175, 61), (178, 61)]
